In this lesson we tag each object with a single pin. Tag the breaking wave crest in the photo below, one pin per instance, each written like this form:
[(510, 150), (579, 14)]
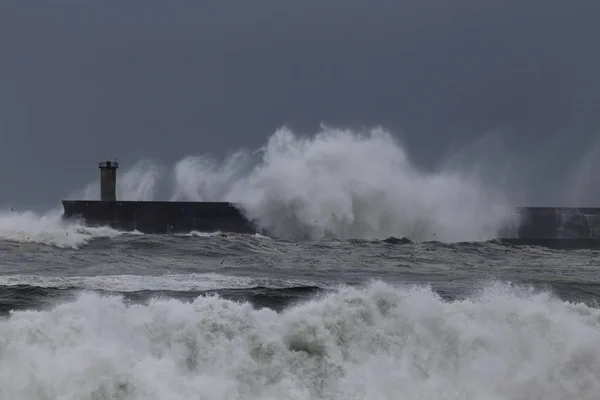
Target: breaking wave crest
[(379, 342), (48, 229)]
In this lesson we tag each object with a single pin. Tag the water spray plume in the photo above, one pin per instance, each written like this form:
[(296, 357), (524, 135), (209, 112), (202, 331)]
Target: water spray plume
[(336, 184), (346, 185)]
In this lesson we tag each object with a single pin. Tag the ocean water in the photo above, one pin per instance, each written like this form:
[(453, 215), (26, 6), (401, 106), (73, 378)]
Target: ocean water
[(249, 317), (329, 308)]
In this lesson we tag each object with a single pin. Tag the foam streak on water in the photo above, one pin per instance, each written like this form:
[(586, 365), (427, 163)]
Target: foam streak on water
[(377, 343), (132, 283)]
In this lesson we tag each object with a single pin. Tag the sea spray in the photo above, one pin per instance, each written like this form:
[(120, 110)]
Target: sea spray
[(205, 178), (49, 228), (378, 342), (363, 185), (340, 184), (335, 184)]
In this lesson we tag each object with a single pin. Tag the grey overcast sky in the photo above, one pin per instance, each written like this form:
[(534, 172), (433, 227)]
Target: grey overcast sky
[(83, 80)]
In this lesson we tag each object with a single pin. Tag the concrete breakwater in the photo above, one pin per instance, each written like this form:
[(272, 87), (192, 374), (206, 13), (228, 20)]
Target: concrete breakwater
[(545, 226), (160, 216), (559, 227)]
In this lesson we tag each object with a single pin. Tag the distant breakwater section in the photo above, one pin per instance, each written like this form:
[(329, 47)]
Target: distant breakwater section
[(537, 224), (558, 223)]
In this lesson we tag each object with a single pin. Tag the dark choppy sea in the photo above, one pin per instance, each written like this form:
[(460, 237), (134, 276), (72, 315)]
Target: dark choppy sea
[(250, 317)]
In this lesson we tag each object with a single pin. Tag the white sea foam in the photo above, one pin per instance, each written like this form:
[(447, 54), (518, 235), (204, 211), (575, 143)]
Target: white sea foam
[(132, 283), (48, 228), (377, 343), (200, 234)]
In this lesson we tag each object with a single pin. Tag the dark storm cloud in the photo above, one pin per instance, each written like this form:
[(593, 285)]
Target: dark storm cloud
[(84, 80)]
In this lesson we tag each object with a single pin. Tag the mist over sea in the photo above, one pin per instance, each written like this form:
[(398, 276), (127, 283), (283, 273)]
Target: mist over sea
[(330, 306)]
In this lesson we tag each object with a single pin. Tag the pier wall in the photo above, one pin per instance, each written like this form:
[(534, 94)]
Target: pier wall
[(560, 227), (555, 227), (160, 216)]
